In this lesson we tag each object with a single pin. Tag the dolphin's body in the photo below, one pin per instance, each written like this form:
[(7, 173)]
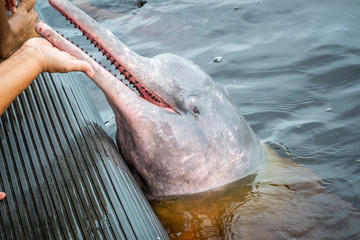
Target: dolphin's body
[(183, 134)]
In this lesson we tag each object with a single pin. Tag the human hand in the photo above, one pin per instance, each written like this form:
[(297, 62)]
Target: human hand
[(11, 5), (22, 23), (51, 59)]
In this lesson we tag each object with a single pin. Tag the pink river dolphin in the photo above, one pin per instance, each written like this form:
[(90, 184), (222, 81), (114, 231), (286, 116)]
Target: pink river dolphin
[(181, 133)]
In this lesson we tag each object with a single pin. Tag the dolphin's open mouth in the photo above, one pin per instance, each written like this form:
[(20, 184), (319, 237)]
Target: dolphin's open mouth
[(129, 79)]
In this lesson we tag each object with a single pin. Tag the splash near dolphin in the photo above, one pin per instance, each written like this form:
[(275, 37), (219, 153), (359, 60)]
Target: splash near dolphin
[(180, 133)]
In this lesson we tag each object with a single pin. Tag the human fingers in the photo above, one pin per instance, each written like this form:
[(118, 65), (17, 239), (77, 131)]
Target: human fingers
[(11, 2), (27, 5), (54, 60), (11, 5), (60, 61), (68, 63), (79, 65), (2, 195)]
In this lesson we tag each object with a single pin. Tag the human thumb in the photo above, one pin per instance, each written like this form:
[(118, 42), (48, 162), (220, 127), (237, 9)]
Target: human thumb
[(84, 67)]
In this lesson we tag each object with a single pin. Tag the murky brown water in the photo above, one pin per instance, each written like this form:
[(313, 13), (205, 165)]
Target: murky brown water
[(283, 200)]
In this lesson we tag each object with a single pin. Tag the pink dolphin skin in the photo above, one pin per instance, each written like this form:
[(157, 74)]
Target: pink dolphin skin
[(2, 195), (182, 133)]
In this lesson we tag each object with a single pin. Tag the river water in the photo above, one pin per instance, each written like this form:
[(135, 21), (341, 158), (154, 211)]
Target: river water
[(293, 69)]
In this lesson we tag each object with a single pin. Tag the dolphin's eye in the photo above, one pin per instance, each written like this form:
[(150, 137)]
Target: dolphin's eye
[(196, 111)]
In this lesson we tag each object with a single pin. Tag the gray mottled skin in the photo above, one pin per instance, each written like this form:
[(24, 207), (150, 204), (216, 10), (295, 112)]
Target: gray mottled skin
[(197, 142)]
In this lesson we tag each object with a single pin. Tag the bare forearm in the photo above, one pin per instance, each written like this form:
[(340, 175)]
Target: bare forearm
[(16, 74)]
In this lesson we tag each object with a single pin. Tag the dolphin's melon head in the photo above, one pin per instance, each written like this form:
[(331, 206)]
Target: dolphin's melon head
[(206, 142), (186, 87)]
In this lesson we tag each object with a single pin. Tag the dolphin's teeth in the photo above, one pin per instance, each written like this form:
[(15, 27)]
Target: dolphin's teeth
[(150, 94), (136, 82), (142, 87), (77, 45), (115, 75), (90, 56), (109, 70), (146, 91), (82, 49), (86, 53)]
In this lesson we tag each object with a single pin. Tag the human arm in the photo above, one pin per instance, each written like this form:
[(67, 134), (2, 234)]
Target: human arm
[(5, 31), (17, 28), (34, 57)]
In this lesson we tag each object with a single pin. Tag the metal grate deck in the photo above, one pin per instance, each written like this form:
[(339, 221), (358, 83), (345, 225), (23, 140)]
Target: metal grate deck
[(63, 175)]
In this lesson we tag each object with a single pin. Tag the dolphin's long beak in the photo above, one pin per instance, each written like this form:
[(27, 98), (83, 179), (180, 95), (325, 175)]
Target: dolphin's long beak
[(101, 77), (129, 63)]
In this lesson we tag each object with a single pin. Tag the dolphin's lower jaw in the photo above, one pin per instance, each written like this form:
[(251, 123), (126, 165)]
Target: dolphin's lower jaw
[(188, 137), (81, 21)]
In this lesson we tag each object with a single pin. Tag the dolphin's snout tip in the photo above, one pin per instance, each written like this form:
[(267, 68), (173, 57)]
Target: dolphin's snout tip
[(2, 195), (58, 2), (38, 27), (41, 28)]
